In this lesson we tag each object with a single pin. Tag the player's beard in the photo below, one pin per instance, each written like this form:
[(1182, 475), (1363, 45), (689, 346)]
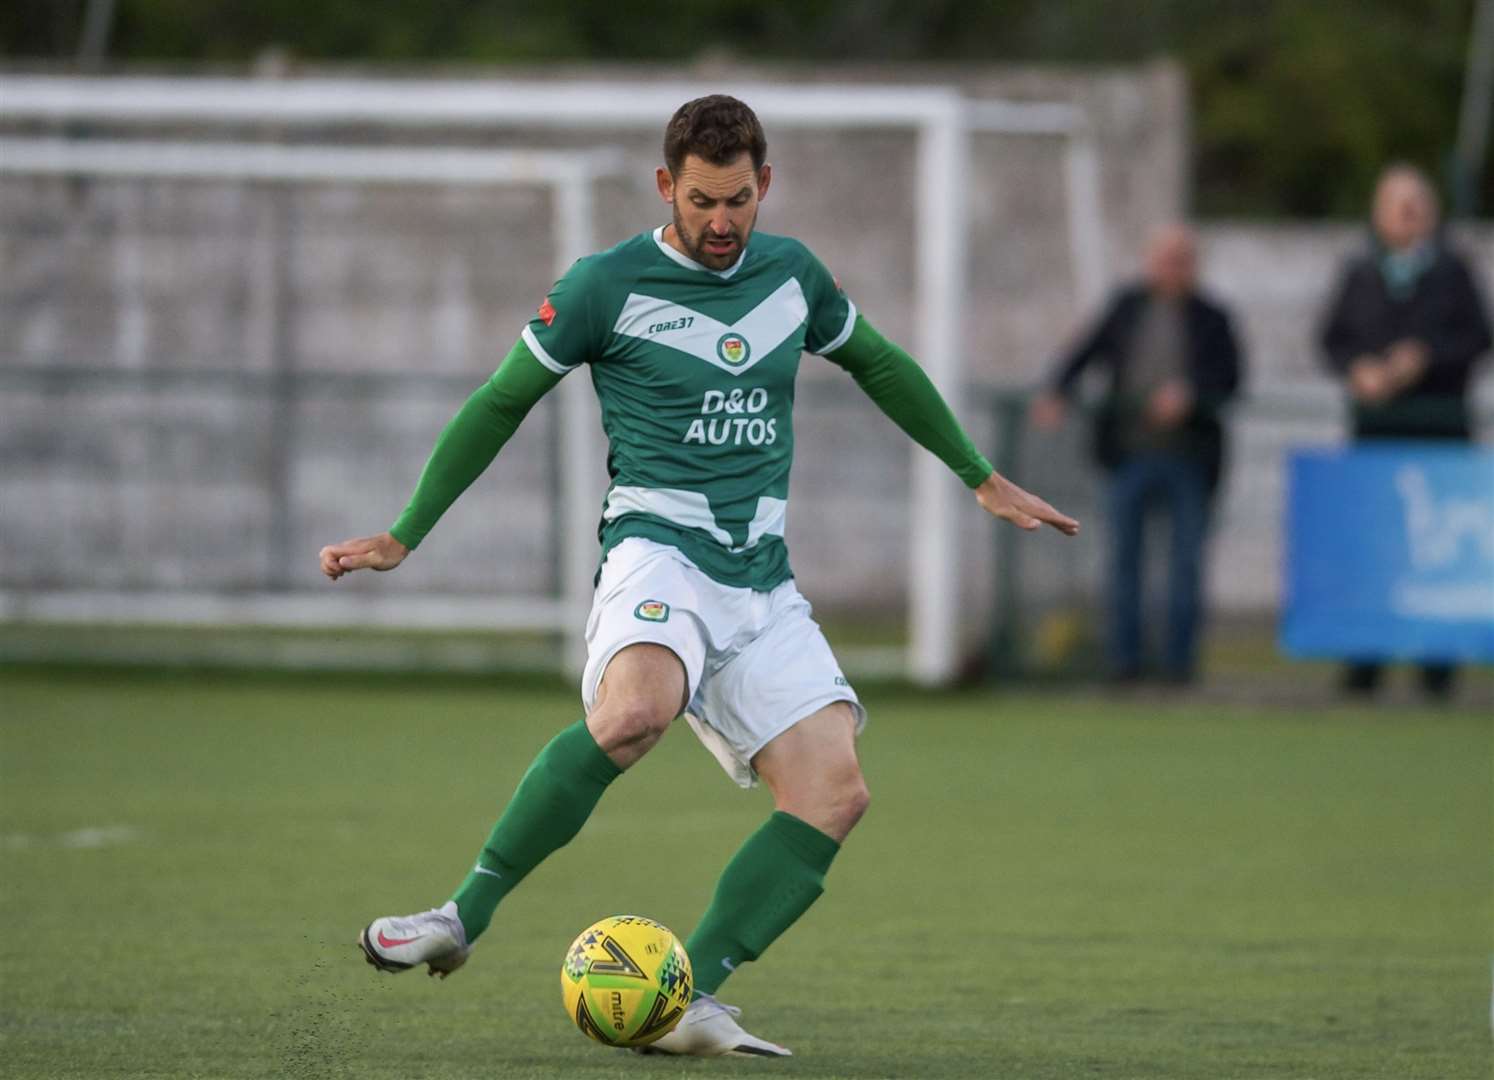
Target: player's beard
[(695, 245)]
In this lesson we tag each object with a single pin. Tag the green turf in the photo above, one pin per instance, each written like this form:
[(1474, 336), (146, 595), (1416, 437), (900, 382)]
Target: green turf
[(1045, 887)]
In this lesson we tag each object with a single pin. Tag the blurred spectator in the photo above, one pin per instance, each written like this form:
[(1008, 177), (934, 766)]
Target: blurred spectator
[(1172, 363), (1404, 329)]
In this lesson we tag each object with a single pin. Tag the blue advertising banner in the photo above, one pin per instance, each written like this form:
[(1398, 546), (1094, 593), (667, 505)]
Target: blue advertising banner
[(1390, 553)]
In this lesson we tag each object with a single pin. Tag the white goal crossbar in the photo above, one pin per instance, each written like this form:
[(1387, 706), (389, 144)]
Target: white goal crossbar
[(152, 159), (942, 119)]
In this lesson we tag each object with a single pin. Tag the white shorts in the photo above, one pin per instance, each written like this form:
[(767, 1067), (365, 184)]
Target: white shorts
[(756, 663)]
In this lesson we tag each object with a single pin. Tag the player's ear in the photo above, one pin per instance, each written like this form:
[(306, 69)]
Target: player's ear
[(764, 178), (665, 181)]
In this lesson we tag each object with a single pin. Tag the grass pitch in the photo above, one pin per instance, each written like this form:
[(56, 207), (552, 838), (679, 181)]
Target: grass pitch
[(1045, 887)]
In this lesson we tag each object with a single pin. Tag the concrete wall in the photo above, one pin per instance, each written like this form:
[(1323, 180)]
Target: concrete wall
[(236, 288)]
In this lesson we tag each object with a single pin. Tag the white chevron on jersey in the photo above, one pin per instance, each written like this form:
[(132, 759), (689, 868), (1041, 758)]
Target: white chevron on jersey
[(692, 510), (764, 328)]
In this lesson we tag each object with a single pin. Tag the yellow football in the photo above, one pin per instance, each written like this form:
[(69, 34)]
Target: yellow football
[(626, 981)]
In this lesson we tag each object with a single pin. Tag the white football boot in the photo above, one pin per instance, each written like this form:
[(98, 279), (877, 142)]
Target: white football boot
[(710, 1029), (397, 943)]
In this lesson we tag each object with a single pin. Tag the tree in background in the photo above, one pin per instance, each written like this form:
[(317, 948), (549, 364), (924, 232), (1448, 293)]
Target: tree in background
[(1297, 105)]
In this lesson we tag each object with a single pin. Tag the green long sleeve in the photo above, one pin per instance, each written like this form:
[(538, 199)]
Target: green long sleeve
[(472, 439), (893, 379)]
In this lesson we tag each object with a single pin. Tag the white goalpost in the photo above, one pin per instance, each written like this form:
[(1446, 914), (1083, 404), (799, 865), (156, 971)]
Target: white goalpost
[(942, 119)]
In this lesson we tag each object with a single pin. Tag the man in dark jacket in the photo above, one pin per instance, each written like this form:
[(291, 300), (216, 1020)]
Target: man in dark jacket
[(1404, 329), (1172, 363)]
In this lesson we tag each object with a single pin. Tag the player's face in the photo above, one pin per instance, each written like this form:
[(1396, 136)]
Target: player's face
[(715, 207)]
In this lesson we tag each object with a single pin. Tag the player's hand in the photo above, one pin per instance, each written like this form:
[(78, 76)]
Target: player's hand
[(1169, 405), (1004, 499), (382, 552), (1047, 412), (1369, 381)]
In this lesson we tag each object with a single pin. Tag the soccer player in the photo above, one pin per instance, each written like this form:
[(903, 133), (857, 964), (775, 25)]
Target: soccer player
[(692, 333)]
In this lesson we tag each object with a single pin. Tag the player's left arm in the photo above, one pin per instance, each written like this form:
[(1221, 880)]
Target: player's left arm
[(899, 387)]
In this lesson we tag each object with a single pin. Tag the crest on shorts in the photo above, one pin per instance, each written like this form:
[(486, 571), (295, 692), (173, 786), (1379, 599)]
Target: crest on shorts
[(652, 611), (733, 348)]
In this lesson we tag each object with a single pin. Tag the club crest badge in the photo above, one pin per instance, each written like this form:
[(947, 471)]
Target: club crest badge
[(733, 349), (652, 611)]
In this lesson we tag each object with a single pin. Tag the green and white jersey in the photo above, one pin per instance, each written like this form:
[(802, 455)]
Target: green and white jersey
[(695, 371)]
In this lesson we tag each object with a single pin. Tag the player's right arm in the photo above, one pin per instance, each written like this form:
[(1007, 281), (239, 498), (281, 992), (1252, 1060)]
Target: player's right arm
[(466, 446), (563, 334)]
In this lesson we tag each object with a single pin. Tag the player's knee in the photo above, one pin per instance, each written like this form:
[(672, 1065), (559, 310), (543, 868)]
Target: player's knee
[(852, 803), (629, 721), (842, 803)]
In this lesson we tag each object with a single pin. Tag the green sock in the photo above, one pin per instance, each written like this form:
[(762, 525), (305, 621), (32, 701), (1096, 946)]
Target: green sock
[(770, 882), (552, 802)]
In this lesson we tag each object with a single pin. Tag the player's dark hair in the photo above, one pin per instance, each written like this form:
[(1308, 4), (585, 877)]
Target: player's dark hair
[(717, 128)]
